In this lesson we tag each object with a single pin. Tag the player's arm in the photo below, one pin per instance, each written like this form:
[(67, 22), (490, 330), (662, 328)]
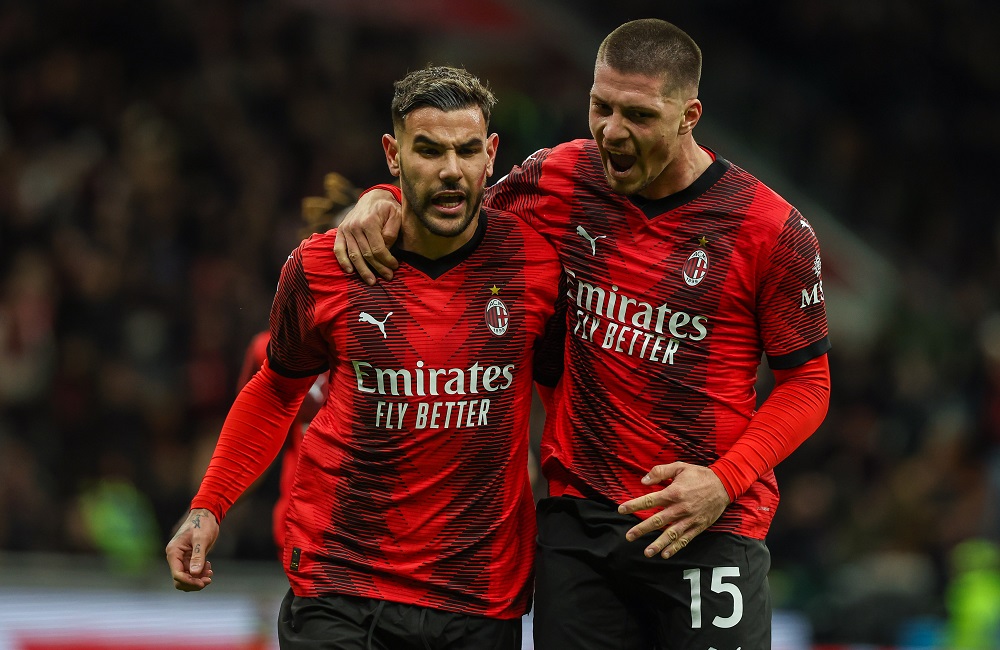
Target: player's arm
[(254, 358), (256, 426), (796, 331), (697, 496), (367, 232), (252, 435), (791, 413)]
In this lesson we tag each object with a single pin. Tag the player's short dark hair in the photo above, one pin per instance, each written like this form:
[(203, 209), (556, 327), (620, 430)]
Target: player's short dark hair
[(653, 47), (441, 87)]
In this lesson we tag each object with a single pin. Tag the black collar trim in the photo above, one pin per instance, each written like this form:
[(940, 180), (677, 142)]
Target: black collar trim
[(434, 269), (655, 207)]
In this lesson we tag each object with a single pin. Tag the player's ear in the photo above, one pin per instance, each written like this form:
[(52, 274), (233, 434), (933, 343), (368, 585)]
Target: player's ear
[(391, 147), (492, 143), (690, 117)]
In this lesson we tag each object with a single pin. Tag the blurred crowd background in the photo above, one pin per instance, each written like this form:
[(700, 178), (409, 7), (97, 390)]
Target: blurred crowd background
[(153, 160)]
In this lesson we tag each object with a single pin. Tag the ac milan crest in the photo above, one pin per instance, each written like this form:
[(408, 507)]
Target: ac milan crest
[(695, 267), (497, 316)]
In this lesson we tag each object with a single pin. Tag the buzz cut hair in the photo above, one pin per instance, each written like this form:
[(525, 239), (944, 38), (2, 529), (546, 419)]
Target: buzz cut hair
[(442, 87), (654, 48)]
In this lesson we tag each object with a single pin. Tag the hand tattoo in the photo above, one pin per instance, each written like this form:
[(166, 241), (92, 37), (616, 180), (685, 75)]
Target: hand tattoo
[(197, 521)]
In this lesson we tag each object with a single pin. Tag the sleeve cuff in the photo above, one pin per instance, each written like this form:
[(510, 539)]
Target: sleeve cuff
[(397, 193)]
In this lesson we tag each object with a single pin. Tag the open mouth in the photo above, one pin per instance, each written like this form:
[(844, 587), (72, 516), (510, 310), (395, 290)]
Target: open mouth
[(621, 162), (448, 201)]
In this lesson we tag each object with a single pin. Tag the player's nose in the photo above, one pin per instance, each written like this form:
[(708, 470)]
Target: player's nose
[(450, 169)]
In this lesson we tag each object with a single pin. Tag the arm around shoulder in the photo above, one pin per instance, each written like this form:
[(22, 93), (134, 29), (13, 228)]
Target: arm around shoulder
[(367, 232)]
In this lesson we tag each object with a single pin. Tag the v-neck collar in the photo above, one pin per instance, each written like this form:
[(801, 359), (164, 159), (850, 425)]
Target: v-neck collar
[(436, 268)]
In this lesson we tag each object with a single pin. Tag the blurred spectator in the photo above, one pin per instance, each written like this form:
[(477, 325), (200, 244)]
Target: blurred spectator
[(974, 596), (117, 520)]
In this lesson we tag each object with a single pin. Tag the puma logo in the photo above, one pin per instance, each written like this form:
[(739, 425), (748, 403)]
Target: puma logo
[(593, 240), (365, 317)]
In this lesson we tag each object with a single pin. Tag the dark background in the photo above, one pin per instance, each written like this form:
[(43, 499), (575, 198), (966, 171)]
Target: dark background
[(153, 156)]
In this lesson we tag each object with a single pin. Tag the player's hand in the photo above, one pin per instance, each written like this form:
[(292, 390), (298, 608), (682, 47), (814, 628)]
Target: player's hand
[(187, 551), (366, 233), (692, 501)]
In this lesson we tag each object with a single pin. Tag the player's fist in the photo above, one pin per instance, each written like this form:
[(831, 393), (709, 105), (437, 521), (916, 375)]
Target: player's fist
[(187, 552)]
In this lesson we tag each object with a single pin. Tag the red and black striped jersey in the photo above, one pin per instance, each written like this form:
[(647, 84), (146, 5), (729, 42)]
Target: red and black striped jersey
[(671, 305), (412, 481)]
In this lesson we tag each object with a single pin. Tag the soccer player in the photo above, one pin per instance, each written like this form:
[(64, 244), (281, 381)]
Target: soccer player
[(681, 271), (410, 523)]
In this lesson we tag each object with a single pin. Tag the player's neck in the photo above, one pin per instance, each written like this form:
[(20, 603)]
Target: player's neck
[(690, 163), (416, 238)]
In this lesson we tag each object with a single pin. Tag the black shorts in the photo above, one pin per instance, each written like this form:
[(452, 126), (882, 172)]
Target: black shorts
[(595, 590), (352, 623)]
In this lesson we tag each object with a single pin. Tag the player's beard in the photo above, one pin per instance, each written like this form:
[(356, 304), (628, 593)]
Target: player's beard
[(440, 225)]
